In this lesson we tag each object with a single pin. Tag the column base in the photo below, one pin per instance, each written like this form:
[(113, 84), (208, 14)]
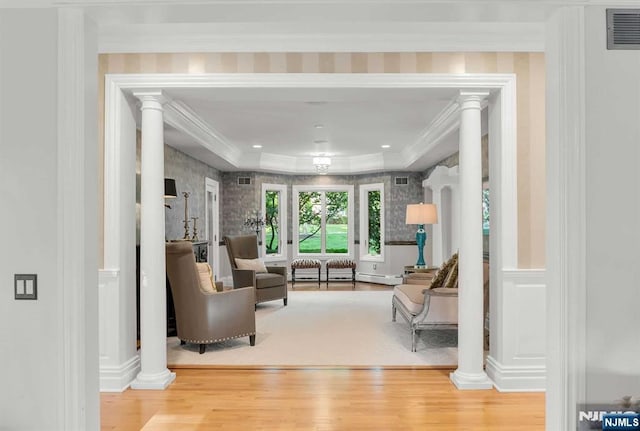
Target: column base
[(158, 381), (467, 381)]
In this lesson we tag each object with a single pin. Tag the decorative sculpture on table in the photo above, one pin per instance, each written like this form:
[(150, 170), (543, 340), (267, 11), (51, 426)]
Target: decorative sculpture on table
[(421, 214), (194, 237), (186, 215)]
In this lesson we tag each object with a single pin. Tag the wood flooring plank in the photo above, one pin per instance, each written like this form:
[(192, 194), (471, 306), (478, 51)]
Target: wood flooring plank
[(319, 399)]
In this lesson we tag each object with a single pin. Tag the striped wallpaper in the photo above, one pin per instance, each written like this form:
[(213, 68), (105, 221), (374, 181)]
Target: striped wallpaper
[(528, 67)]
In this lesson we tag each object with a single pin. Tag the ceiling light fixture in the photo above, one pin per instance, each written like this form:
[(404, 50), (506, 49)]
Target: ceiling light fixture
[(385, 146), (322, 164), (318, 126), (257, 146)]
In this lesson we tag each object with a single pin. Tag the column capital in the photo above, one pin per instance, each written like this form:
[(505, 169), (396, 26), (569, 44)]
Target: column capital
[(471, 99), (151, 99)]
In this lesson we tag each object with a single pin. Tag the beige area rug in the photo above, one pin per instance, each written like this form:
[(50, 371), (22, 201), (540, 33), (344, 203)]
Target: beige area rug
[(326, 328)]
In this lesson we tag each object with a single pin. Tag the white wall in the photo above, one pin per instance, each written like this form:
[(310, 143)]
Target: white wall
[(30, 331), (613, 215)]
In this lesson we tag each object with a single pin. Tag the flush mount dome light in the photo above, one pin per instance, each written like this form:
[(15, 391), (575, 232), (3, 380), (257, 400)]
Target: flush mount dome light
[(322, 164)]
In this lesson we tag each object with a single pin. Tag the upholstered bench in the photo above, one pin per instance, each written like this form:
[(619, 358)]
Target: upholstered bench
[(342, 263), (304, 264)]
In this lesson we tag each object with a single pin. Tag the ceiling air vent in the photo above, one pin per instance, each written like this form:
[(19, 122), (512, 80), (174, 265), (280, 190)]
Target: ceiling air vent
[(623, 28), (244, 181), (402, 181)]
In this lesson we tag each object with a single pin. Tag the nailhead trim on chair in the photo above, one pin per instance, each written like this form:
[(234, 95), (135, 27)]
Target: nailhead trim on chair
[(305, 263), (217, 340)]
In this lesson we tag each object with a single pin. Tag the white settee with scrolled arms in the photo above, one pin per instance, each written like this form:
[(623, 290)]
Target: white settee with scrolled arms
[(431, 300)]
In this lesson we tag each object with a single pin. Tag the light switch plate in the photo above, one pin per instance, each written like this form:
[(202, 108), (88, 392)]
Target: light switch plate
[(25, 286)]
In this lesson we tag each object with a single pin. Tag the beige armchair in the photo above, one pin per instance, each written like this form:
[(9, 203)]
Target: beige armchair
[(204, 315), (268, 285)]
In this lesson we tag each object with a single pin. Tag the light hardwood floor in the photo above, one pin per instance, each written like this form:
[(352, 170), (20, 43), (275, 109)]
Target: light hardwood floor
[(257, 398), (319, 399)]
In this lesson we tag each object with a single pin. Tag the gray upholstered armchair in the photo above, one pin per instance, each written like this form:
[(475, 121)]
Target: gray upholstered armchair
[(204, 315), (268, 285)]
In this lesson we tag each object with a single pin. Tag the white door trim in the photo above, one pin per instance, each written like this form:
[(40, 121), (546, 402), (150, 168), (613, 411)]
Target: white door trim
[(502, 127), (566, 225)]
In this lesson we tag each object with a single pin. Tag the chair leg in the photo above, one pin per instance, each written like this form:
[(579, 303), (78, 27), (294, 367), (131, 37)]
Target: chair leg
[(252, 340), (318, 277), (413, 339), (182, 342), (327, 278), (202, 348), (293, 278), (353, 277), (285, 301), (393, 313)]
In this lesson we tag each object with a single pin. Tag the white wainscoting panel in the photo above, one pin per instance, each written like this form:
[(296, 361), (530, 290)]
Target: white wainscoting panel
[(116, 370), (517, 358)]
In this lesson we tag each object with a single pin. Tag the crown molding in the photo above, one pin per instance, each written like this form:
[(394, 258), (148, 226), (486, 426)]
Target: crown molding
[(445, 123), (181, 117)]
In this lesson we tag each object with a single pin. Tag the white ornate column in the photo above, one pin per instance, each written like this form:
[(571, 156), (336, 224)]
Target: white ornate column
[(440, 178), (153, 321), (470, 373), (436, 232), (455, 218)]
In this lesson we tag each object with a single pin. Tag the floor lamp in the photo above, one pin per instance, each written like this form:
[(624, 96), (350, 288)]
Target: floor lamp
[(421, 214)]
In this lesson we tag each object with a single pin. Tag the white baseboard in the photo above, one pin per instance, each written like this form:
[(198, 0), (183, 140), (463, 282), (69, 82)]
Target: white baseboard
[(391, 280), (516, 378), (119, 378)]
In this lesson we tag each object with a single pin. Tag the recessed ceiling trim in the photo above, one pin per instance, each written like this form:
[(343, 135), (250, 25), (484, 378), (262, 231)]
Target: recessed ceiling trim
[(439, 128), (181, 117)]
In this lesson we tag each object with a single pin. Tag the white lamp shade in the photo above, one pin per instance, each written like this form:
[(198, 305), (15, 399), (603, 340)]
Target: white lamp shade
[(422, 214)]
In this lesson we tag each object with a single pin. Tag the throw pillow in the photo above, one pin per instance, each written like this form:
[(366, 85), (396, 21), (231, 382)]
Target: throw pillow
[(443, 272), (206, 277), (452, 277), (253, 264)]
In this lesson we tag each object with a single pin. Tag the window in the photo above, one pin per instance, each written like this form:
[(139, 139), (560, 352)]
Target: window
[(323, 220), (372, 222), (274, 233)]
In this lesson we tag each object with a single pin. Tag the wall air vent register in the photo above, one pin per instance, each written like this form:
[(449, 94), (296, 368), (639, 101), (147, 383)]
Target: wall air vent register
[(623, 28)]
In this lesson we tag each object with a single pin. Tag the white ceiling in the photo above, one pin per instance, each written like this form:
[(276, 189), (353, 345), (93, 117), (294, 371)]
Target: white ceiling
[(355, 123)]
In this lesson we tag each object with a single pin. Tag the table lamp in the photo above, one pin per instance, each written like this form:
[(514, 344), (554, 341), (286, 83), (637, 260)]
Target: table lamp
[(421, 214)]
